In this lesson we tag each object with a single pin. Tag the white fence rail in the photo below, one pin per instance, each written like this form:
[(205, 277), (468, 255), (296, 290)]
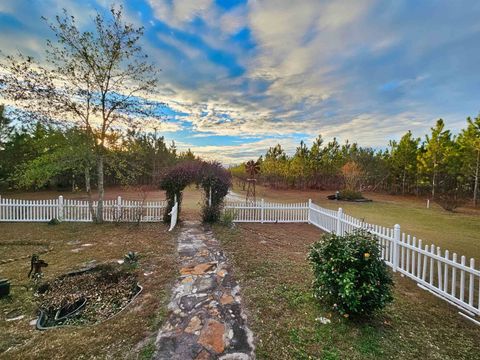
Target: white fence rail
[(446, 275), (119, 210), (268, 212)]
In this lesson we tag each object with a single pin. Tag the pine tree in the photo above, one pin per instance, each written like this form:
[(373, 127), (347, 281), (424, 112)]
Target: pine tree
[(469, 143), (434, 159), (403, 158)]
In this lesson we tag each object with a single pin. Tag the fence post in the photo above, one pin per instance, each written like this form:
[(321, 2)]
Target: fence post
[(339, 221), (308, 213), (60, 208), (396, 246), (119, 208), (262, 204)]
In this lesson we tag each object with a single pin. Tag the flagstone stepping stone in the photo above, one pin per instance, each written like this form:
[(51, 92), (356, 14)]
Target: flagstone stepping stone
[(211, 336), (205, 319)]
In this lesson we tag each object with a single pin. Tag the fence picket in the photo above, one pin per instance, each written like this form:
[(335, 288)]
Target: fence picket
[(43, 210)]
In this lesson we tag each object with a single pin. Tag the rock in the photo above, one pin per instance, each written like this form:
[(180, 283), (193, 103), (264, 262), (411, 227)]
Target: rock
[(235, 356), (203, 355), (194, 325), (198, 269), (204, 284), (323, 320), (187, 280), (33, 322), (226, 299), (211, 336), (188, 302), (201, 253), (222, 273)]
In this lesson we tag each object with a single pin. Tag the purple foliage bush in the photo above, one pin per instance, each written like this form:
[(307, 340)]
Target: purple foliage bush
[(208, 175)]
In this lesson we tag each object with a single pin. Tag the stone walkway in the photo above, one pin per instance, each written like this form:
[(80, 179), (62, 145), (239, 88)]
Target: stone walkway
[(205, 319)]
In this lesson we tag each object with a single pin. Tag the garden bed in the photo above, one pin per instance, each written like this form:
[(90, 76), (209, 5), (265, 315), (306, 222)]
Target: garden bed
[(86, 297), (334, 197)]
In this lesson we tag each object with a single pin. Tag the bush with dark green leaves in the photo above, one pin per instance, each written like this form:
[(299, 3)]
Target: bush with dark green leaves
[(350, 275)]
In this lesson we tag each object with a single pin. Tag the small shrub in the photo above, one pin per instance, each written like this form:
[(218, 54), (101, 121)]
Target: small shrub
[(227, 218), (450, 201), (54, 221), (131, 258), (350, 275)]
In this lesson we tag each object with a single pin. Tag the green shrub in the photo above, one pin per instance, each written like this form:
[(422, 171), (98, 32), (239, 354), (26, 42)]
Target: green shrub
[(350, 275), (350, 195), (131, 258), (54, 221), (227, 218)]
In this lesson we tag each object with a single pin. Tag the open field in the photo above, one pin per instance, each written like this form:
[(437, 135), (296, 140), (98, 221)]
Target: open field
[(270, 262), (65, 246), (458, 232)]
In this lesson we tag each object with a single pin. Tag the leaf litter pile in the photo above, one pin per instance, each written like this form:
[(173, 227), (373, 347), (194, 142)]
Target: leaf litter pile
[(98, 293)]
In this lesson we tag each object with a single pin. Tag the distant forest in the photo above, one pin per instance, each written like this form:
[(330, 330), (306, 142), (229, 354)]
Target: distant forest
[(37, 156), (441, 165)]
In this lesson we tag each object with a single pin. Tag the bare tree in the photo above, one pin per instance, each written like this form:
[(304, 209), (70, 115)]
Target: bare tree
[(97, 80)]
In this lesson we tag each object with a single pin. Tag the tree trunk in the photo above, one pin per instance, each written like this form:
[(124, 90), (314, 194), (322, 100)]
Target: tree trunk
[(434, 183), (88, 189), (101, 190), (475, 188), (403, 182)]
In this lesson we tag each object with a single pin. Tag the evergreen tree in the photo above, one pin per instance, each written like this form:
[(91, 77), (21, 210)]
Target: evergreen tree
[(434, 159), (469, 144), (403, 158)]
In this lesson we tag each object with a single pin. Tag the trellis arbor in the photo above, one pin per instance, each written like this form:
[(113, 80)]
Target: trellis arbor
[(214, 179)]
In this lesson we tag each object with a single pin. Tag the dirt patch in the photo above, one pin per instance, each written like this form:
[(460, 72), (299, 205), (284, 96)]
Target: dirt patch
[(100, 293)]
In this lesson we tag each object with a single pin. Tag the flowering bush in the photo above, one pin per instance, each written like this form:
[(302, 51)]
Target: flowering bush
[(349, 273)]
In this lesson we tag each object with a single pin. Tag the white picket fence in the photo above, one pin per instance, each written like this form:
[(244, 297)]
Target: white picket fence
[(268, 212), (448, 276), (119, 210)]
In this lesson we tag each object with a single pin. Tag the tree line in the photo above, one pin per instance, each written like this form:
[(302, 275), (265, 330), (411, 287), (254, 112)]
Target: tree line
[(441, 165), (38, 156)]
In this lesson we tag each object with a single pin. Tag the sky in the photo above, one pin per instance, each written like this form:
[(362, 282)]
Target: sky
[(240, 76)]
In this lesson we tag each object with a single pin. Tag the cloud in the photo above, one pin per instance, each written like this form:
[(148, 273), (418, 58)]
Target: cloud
[(235, 154), (366, 70)]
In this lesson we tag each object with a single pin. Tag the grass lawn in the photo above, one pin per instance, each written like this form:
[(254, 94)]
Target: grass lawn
[(457, 232), (130, 334), (270, 263)]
